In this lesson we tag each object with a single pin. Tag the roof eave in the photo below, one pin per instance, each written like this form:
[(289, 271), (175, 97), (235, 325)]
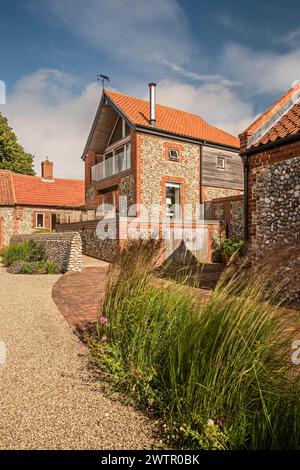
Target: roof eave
[(150, 130), (208, 143), (269, 145), (107, 99)]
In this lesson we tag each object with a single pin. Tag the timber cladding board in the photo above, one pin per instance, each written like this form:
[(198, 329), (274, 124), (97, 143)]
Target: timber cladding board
[(230, 177), (102, 132)]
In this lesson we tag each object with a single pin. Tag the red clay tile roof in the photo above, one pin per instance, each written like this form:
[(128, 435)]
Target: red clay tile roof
[(6, 189), (289, 124), (263, 118), (170, 120), (35, 191)]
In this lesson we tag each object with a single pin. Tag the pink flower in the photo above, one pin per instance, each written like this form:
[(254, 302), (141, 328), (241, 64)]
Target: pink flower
[(104, 339), (103, 320), (103, 350)]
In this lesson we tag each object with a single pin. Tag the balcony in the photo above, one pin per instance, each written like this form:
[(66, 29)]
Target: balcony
[(114, 163)]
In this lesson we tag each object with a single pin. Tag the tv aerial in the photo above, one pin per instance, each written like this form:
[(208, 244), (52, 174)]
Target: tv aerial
[(102, 78)]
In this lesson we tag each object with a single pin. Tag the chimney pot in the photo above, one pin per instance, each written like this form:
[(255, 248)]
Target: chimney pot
[(47, 170), (152, 93)]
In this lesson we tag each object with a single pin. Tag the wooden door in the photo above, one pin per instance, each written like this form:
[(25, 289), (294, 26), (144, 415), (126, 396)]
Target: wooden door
[(53, 221)]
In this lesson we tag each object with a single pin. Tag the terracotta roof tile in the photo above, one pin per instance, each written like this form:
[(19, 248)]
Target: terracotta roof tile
[(289, 124), (263, 118), (170, 120), (6, 188), (35, 191)]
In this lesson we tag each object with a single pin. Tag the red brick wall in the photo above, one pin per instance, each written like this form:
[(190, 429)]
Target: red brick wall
[(93, 189), (231, 211), (1, 233), (47, 170)]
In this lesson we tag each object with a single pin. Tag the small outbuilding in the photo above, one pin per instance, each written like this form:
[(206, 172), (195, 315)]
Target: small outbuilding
[(270, 149)]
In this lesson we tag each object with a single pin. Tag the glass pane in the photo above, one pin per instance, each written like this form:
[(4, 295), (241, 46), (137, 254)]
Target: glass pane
[(128, 165), (109, 164), (120, 160), (40, 220), (173, 154), (127, 129), (173, 201), (117, 135)]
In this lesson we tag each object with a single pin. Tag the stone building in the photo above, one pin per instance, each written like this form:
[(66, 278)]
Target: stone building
[(157, 156), (270, 149), (28, 203), (163, 159)]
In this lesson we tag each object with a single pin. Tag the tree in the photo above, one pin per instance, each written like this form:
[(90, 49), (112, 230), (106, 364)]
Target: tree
[(12, 155)]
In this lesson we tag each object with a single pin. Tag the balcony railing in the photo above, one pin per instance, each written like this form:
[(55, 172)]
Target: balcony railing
[(114, 163)]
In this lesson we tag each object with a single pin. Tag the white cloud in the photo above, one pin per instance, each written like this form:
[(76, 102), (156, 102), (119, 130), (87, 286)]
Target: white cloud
[(263, 72), (216, 103), (50, 120), (290, 39), (130, 29)]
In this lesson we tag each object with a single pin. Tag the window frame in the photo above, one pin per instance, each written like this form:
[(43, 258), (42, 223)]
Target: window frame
[(126, 146), (171, 159), (36, 219), (124, 135), (221, 167), (179, 186)]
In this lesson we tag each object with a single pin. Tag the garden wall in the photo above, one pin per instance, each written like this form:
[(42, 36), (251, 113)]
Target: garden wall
[(210, 236), (65, 249), (91, 245), (229, 210)]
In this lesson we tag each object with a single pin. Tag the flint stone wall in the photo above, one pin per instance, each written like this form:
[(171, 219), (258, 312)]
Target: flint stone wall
[(277, 216), (105, 250), (65, 249)]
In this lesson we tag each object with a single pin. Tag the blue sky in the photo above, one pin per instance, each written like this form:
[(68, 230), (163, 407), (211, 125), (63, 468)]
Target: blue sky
[(225, 60)]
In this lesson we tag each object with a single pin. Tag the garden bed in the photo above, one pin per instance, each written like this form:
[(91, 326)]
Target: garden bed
[(216, 374), (27, 258)]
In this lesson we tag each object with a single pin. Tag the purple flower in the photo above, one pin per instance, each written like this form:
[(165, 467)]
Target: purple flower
[(103, 320)]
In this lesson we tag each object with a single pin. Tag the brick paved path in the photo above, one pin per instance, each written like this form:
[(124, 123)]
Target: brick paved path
[(78, 296)]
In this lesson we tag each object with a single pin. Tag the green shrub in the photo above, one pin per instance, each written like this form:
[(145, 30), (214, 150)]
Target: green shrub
[(14, 252), (43, 230), (229, 246), (27, 251), (218, 374), (33, 267), (51, 267), (36, 252)]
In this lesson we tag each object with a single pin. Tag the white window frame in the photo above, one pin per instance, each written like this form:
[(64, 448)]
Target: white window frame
[(221, 167), (171, 184), (114, 151), (177, 154), (36, 220)]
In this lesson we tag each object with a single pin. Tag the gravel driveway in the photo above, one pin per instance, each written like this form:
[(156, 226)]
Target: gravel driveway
[(46, 398)]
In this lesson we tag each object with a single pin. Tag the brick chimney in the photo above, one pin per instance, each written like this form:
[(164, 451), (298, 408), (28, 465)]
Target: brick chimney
[(47, 170)]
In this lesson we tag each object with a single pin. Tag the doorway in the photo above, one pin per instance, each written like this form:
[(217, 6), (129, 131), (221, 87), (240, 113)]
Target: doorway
[(53, 221)]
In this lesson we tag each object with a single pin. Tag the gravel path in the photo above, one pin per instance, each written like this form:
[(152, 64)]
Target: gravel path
[(46, 398)]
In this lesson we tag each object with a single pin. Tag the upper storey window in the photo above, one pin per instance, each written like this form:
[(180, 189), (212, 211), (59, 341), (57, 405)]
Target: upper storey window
[(221, 163), (173, 155), (120, 131)]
